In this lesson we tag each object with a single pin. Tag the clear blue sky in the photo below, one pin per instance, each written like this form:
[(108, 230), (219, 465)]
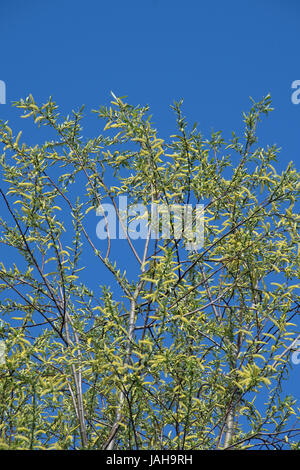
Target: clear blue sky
[(214, 54)]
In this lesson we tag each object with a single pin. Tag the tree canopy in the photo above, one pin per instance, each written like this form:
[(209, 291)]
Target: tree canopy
[(158, 347)]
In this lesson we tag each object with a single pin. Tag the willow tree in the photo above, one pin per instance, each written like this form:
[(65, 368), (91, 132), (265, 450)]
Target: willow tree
[(143, 343)]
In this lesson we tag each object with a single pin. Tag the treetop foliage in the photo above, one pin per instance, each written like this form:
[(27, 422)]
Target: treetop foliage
[(193, 352)]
